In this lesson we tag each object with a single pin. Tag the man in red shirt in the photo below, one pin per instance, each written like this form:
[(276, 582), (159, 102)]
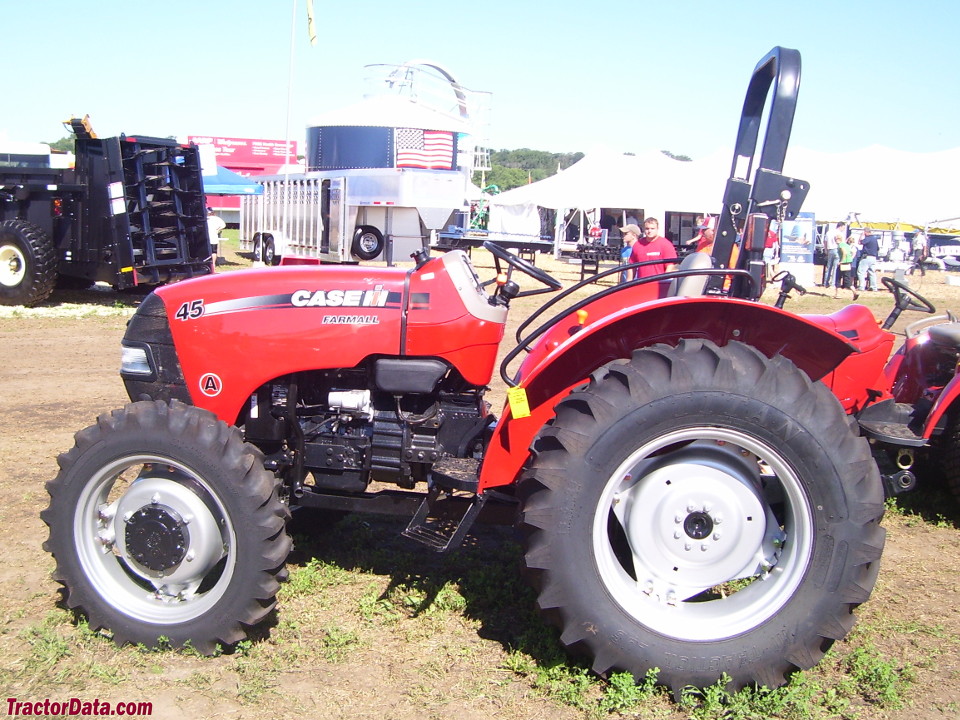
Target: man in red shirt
[(650, 246)]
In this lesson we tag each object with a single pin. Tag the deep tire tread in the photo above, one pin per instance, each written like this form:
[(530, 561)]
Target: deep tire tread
[(693, 366), (41, 258), (264, 519)]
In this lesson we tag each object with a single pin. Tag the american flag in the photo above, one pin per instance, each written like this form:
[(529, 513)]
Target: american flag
[(429, 149)]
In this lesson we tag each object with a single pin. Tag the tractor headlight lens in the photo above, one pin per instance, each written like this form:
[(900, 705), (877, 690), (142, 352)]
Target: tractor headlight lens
[(134, 361)]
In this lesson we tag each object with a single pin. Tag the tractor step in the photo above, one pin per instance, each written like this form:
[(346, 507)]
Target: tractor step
[(893, 423), (440, 531), (456, 474)]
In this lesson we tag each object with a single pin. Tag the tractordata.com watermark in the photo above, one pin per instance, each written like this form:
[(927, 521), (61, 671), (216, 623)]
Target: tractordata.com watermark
[(77, 707)]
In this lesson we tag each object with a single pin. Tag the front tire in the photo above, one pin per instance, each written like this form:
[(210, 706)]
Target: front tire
[(28, 264), (702, 510), (164, 524)]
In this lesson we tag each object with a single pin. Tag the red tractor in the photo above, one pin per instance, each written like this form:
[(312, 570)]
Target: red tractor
[(690, 468)]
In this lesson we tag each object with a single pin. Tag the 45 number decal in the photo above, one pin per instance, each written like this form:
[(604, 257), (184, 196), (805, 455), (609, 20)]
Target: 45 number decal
[(190, 310)]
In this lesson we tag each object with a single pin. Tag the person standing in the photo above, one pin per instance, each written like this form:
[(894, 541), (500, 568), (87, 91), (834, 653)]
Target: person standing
[(703, 241), (629, 239), (919, 247), (651, 246), (215, 226), (771, 251), (831, 246), (846, 250), (869, 250)]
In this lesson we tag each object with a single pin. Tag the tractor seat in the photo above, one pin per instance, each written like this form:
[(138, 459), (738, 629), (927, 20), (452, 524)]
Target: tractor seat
[(693, 285), (946, 336)]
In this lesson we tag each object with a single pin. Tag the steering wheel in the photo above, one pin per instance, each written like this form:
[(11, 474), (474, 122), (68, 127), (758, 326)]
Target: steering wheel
[(904, 298), (527, 268)]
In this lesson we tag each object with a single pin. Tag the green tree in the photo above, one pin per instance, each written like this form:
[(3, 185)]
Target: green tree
[(513, 168), (64, 144)]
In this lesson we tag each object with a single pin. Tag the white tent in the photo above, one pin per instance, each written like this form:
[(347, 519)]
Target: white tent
[(652, 182), (881, 185), (611, 180)]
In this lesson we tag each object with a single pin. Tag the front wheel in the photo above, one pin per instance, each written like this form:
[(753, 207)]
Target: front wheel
[(164, 524), (702, 510)]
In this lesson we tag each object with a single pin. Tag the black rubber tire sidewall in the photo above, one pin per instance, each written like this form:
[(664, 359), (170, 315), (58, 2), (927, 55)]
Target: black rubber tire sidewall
[(560, 522), (357, 248), (234, 473), (40, 263), (270, 253)]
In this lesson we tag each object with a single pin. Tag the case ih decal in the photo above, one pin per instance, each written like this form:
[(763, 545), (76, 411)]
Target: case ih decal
[(304, 298), (343, 298)]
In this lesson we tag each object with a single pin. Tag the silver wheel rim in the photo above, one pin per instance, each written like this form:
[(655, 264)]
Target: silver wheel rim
[(703, 534), (368, 242), (13, 266), (131, 490)]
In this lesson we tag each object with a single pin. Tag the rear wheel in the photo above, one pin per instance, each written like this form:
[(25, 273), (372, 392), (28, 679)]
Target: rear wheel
[(946, 458), (28, 264), (367, 242), (164, 524), (702, 510)]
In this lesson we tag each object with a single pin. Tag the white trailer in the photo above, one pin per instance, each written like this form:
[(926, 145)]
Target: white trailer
[(350, 215)]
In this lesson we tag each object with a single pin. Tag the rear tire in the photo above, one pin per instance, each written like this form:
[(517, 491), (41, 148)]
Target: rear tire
[(28, 264), (165, 524), (946, 458), (368, 242), (702, 510)]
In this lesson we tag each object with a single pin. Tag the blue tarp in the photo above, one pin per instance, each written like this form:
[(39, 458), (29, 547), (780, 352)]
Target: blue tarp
[(227, 182)]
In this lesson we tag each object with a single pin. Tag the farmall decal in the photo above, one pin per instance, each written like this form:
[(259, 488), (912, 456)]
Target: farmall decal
[(351, 320), (340, 298)]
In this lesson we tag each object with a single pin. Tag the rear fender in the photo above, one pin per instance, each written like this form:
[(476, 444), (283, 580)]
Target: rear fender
[(813, 348), (947, 400)]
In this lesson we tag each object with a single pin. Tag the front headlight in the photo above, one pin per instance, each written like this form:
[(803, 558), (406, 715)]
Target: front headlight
[(135, 361)]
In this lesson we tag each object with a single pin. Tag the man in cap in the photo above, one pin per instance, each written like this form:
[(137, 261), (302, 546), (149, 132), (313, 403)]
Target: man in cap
[(703, 240), (650, 246)]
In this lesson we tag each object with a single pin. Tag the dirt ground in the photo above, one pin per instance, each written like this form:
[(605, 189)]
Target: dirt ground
[(59, 370)]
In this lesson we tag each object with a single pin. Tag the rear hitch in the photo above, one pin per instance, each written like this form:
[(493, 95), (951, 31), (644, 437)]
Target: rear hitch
[(898, 482)]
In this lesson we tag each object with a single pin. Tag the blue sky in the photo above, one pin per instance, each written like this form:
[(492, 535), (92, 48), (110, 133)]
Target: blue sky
[(563, 76)]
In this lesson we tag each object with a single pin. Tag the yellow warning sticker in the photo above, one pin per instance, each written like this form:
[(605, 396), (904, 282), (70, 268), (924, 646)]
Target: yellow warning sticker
[(519, 407)]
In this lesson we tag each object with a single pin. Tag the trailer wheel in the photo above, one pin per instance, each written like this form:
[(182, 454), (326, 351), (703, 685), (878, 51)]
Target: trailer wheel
[(270, 252), (702, 510), (165, 524), (28, 264), (367, 242)]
